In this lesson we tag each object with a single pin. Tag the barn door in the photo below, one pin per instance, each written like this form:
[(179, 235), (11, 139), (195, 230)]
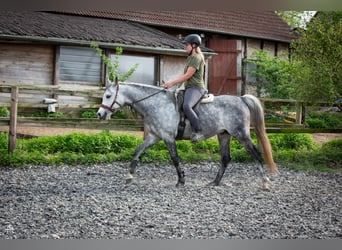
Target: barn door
[(225, 68)]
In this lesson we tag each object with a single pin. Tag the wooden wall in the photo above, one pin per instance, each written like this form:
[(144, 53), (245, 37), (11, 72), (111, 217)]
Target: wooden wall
[(26, 64)]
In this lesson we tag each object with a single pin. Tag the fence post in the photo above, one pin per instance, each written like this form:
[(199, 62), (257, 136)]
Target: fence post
[(13, 119), (299, 112)]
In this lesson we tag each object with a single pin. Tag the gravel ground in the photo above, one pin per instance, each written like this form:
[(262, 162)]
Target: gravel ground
[(93, 202)]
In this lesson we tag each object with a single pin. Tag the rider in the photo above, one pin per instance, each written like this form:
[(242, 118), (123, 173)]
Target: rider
[(194, 83)]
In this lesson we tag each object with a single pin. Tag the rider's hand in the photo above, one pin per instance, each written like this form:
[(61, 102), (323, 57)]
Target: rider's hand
[(167, 85)]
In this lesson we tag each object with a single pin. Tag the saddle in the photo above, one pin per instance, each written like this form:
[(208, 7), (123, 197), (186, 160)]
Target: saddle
[(179, 94)]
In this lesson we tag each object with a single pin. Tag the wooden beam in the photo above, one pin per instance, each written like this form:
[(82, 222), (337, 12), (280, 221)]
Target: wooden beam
[(13, 120)]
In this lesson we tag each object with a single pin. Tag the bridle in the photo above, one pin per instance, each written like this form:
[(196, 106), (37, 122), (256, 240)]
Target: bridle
[(116, 102)]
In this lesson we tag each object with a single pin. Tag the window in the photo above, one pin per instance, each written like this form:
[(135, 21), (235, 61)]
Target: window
[(79, 64), (146, 71), (249, 68)]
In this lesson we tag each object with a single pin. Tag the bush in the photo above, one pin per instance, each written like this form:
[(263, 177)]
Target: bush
[(4, 112), (323, 120), (316, 123), (42, 113), (3, 140), (297, 150), (90, 113), (292, 141), (332, 150)]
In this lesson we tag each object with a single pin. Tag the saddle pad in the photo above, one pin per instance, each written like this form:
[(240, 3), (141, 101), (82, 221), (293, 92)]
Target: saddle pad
[(207, 98)]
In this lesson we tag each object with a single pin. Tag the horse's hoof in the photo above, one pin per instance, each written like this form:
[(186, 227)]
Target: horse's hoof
[(129, 181), (265, 185), (265, 188), (212, 184), (180, 184)]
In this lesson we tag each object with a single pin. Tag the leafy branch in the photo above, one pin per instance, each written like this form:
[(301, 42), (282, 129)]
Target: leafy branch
[(113, 67)]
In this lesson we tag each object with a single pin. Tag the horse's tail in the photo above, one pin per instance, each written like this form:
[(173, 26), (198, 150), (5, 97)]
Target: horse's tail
[(257, 120)]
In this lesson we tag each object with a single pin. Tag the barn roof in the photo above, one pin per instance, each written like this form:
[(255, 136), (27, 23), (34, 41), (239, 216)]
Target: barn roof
[(257, 24), (76, 29)]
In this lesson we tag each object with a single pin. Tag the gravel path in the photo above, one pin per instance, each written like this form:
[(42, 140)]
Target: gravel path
[(93, 202)]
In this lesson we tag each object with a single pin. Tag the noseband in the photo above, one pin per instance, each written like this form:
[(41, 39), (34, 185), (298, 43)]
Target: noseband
[(114, 102)]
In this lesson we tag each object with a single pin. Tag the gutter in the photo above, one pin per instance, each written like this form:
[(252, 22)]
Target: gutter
[(65, 41)]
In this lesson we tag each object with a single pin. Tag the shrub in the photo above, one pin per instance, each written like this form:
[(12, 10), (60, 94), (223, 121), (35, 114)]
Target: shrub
[(3, 140), (316, 123), (298, 150), (4, 112), (90, 113), (323, 120), (292, 141)]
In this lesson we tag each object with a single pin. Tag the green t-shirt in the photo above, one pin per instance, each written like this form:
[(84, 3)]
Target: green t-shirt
[(196, 80)]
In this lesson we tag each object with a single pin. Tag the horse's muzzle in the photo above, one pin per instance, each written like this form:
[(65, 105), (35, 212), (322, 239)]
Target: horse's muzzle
[(102, 114)]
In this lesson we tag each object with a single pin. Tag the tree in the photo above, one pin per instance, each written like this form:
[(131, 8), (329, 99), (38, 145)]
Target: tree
[(275, 75), (296, 19), (318, 52)]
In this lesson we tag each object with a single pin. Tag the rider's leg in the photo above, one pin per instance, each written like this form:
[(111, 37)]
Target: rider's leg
[(191, 98)]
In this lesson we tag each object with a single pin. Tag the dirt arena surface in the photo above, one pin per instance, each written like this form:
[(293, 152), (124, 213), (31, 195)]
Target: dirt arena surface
[(93, 202)]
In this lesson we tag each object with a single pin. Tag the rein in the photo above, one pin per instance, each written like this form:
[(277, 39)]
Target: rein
[(116, 102), (142, 99)]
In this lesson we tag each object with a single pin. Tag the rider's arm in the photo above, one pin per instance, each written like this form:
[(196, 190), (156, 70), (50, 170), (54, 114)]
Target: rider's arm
[(182, 78)]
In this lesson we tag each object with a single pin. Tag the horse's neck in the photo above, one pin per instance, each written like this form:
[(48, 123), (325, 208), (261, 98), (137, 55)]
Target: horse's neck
[(134, 93), (142, 97)]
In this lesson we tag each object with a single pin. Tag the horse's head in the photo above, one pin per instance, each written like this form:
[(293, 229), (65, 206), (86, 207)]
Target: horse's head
[(109, 102)]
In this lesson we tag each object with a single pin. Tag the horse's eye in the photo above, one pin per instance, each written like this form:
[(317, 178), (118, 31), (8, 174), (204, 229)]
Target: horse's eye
[(108, 96)]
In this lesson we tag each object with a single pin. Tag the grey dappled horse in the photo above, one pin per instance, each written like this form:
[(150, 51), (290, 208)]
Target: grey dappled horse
[(226, 116)]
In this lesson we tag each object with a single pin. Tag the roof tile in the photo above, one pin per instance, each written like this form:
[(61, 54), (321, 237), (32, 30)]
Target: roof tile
[(259, 24)]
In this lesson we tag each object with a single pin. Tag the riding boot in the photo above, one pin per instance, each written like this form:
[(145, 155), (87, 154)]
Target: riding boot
[(197, 135)]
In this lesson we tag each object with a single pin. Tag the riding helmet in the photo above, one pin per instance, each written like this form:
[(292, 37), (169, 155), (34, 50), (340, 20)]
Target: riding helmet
[(192, 38)]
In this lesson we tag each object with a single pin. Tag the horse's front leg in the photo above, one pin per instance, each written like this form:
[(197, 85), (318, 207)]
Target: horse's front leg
[(147, 143), (171, 145)]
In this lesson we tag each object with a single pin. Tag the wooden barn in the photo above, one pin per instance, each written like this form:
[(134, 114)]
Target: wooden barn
[(233, 35), (53, 48)]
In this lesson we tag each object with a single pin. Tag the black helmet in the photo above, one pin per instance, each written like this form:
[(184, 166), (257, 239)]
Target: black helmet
[(192, 38)]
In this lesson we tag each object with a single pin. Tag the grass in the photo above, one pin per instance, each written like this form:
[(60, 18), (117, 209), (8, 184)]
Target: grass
[(297, 151)]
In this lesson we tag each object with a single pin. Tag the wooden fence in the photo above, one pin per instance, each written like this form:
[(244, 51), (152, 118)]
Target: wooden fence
[(113, 124)]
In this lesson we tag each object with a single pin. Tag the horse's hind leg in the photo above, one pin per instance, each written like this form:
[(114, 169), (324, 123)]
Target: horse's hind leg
[(171, 145), (224, 142), (250, 147), (148, 142)]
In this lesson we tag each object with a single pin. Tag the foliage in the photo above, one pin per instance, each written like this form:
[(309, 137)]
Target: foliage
[(323, 120), (113, 67), (89, 113), (4, 112), (298, 151), (318, 52), (41, 113), (274, 74), (296, 19)]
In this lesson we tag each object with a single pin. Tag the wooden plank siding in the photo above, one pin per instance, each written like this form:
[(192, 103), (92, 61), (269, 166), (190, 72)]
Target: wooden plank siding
[(26, 64)]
